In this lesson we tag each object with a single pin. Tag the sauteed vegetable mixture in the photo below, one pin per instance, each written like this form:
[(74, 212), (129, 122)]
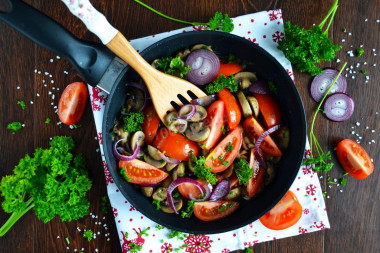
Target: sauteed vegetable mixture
[(210, 153)]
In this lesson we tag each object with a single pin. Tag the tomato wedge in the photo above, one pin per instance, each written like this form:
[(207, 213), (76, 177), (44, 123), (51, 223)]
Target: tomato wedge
[(210, 211), (232, 108), (175, 145), (215, 121), (72, 103), (220, 158), (228, 69), (253, 128), (285, 214), (354, 159), (150, 124), (257, 179), (139, 172), (190, 189), (269, 109)]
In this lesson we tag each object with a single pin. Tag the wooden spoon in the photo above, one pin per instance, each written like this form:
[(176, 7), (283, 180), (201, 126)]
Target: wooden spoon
[(163, 88)]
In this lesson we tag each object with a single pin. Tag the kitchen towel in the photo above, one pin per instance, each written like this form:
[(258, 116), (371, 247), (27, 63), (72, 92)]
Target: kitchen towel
[(266, 30)]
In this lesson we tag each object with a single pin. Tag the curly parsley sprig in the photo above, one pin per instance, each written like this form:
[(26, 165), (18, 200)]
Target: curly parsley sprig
[(304, 47), (219, 21)]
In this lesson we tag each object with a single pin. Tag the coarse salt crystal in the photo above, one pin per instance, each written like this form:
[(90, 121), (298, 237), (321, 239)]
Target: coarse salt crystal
[(39, 72), (366, 77), (46, 73), (59, 123), (51, 60), (67, 247), (38, 94), (373, 141), (367, 127), (52, 103), (58, 57), (45, 85), (52, 81), (31, 102), (360, 137), (82, 249), (57, 236), (53, 88), (365, 63), (365, 20), (18, 87), (371, 159), (49, 93), (43, 81), (353, 132), (358, 123), (337, 60), (341, 190), (343, 40), (328, 197), (35, 70), (52, 97), (374, 65), (75, 250), (96, 250), (349, 34), (99, 233), (353, 77), (378, 21), (108, 239), (372, 131), (361, 46)]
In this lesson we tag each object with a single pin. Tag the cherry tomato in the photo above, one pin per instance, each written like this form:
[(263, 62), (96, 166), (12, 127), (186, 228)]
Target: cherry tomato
[(220, 158), (228, 69), (150, 124), (215, 121), (72, 103), (285, 214), (139, 172), (354, 159), (269, 109), (190, 189), (210, 211), (175, 145), (253, 128), (231, 107), (257, 179)]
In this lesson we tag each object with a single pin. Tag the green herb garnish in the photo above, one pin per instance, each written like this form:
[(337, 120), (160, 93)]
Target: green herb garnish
[(189, 209), (133, 122), (230, 147), (272, 87), (304, 48), (224, 207), (22, 104), (217, 22), (243, 171), (88, 234), (48, 120), (221, 83), (172, 66), (176, 234), (157, 203), (364, 71), (201, 171), (15, 126), (52, 182), (359, 52)]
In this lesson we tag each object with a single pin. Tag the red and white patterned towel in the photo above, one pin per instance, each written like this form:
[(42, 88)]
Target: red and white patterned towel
[(266, 30)]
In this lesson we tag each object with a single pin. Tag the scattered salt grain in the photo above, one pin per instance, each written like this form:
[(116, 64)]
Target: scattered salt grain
[(349, 34), (108, 239), (52, 81), (328, 197), (96, 250), (372, 131), (378, 21), (353, 77), (360, 137), (99, 233), (51, 60), (371, 159), (75, 250), (367, 127), (341, 190), (343, 40), (31, 102), (92, 216), (35, 70), (82, 249), (38, 94), (321, 177), (330, 186), (353, 132), (373, 141), (365, 63), (57, 236), (58, 57), (52, 103), (335, 180), (337, 185), (71, 127), (59, 123), (65, 72), (97, 150), (358, 123), (18, 87), (350, 53), (43, 81), (104, 219), (374, 65), (361, 46), (67, 247), (79, 229), (366, 77), (52, 97), (49, 93), (39, 72), (45, 85), (338, 60), (365, 20)]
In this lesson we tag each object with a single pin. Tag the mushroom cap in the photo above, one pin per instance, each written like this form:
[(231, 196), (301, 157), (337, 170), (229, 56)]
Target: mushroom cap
[(197, 131)]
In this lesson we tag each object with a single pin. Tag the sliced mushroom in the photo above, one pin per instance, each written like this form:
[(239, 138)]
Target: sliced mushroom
[(242, 154), (183, 54), (177, 204), (228, 172), (245, 79), (167, 181), (200, 114), (155, 163), (160, 194), (247, 143), (244, 194), (191, 165), (197, 131), (200, 46), (118, 129), (147, 191), (179, 171), (170, 166), (178, 126), (254, 105), (169, 118), (283, 137), (154, 153), (137, 138), (234, 194), (135, 100), (246, 108)]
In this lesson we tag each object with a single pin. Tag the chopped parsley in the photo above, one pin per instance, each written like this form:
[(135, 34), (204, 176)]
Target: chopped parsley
[(230, 147), (248, 250), (67, 241), (134, 248), (201, 171), (133, 122), (343, 181), (22, 104), (359, 52), (189, 209), (364, 71), (106, 206), (272, 87), (221, 83), (159, 227), (243, 171), (157, 203), (15, 126), (224, 207), (88, 234), (176, 234), (172, 66), (123, 173), (48, 120), (223, 129)]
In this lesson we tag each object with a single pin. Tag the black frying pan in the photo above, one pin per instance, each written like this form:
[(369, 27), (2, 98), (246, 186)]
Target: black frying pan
[(98, 66)]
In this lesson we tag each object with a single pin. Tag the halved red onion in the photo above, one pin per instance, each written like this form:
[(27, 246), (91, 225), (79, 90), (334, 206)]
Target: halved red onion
[(187, 112), (204, 66), (169, 159), (178, 182), (322, 82), (338, 107), (204, 101), (259, 87), (122, 157), (221, 190), (260, 140)]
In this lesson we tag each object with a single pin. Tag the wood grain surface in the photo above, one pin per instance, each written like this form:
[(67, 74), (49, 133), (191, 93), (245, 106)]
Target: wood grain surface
[(353, 213)]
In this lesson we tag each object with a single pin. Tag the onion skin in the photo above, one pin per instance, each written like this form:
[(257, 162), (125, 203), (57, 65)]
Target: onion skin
[(124, 157), (189, 115), (221, 190), (204, 66), (260, 140), (169, 160)]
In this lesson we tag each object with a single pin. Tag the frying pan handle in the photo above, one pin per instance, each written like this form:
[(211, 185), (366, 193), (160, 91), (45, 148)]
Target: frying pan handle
[(89, 59)]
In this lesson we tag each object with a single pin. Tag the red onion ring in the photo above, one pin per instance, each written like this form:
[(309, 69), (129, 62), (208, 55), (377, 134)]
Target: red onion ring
[(178, 182), (169, 159), (260, 140), (204, 101), (125, 157), (259, 87), (207, 195), (322, 82), (204, 65), (184, 114), (221, 190)]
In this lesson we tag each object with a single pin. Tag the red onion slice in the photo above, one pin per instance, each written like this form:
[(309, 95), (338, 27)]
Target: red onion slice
[(338, 107), (204, 66), (259, 87), (221, 190), (322, 82), (204, 101), (206, 196), (122, 157), (187, 112), (169, 159), (260, 140), (178, 182)]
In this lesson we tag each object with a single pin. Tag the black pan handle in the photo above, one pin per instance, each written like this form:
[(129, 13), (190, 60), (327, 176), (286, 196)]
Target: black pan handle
[(89, 59)]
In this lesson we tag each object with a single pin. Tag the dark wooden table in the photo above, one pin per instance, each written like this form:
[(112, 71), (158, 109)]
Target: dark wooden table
[(353, 213)]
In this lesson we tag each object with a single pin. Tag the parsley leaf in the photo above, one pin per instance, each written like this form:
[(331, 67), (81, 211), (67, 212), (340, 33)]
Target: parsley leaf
[(189, 209), (218, 21), (22, 104), (221, 83), (15, 126), (157, 203), (176, 234), (133, 122), (230, 147), (48, 120), (172, 66), (88, 234), (52, 182), (304, 47), (359, 52), (201, 171), (243, 171)]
